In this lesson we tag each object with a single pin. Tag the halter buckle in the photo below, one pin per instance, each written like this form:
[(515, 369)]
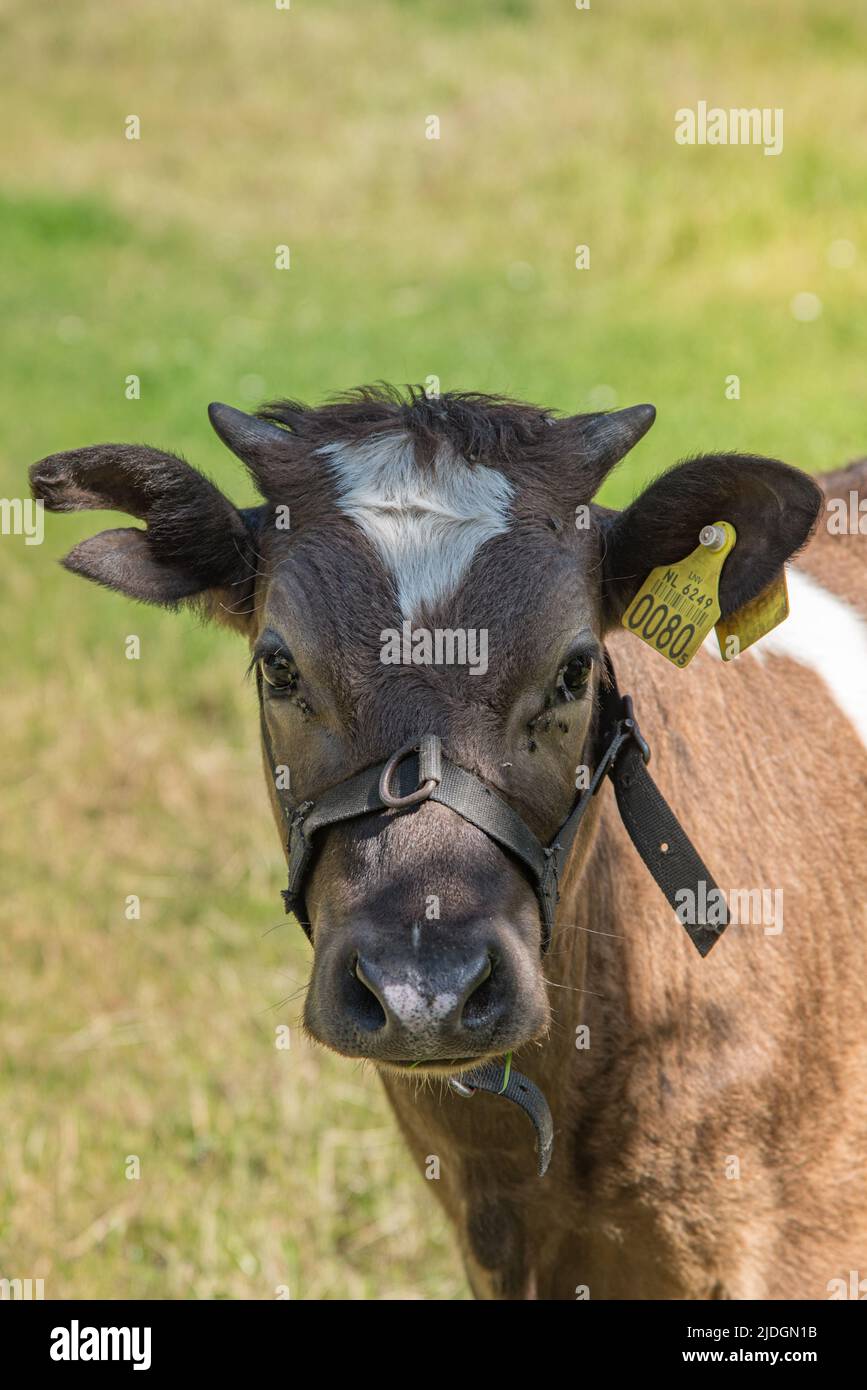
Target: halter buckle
[(429, 771)]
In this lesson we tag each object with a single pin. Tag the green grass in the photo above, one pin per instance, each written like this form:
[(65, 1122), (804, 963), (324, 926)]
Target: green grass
[(409, 257)]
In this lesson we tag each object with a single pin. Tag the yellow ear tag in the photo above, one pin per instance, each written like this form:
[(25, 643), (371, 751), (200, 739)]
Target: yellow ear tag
[(747, 624), (677, 605)]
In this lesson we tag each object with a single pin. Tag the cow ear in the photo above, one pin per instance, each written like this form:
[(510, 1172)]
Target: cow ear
[(772, 507), (195, 546)]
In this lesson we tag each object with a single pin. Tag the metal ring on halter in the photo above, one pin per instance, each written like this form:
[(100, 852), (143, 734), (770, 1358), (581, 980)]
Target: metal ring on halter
[(429, 760)]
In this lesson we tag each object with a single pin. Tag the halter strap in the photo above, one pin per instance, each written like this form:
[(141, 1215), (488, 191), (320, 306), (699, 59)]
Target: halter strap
[(420, 772)]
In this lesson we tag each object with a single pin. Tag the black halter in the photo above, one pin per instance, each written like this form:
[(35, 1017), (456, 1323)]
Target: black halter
[(420, 772)]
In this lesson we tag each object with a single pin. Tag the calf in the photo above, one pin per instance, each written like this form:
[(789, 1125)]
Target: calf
[(710, 1114)]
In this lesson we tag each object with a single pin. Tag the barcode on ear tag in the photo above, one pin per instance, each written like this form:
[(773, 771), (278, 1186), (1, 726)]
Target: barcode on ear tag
[(678, 604), (756, 618)]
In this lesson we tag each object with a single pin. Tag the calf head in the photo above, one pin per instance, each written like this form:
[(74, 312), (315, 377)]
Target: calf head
[(387, 520)]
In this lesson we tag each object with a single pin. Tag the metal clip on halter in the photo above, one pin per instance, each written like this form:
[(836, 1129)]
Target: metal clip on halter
[(498, 1080), (629, 723), (429, 752)]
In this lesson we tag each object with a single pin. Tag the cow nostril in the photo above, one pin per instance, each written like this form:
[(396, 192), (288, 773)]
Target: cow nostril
[(478, 997), (366, 1006)]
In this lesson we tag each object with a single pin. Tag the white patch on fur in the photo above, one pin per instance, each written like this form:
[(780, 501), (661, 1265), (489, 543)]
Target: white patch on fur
[(826, 634), (426, 524), (414, 1010)]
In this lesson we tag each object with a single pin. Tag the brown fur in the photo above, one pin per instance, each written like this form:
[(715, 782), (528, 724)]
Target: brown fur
[(757, 1052)]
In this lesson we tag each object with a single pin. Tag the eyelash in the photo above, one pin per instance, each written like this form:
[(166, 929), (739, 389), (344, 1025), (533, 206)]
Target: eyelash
[(281, 688), (280, 692), (549, 715)]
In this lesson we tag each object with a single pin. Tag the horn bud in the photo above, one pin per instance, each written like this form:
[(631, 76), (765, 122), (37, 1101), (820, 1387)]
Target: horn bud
[(259, 444), (604, 439)]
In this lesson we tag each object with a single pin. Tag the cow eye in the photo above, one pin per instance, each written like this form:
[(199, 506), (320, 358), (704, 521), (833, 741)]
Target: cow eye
[(573, 677), (279, 670)]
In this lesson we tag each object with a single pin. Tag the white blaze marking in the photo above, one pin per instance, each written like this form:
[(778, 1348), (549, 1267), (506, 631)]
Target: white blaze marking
[(826, 634), (426, 524)]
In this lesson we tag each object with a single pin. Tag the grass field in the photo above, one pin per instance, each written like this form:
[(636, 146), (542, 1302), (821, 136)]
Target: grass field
[(410, 257)]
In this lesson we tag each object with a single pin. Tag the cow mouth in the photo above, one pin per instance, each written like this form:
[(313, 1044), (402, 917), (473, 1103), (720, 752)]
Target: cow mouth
[(443, 1066)]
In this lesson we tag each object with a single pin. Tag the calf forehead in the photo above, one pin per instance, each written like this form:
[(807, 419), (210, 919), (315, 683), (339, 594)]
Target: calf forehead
[(419, 518), (427, 521)]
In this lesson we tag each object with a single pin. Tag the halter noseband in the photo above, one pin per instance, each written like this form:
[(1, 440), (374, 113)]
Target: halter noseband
[(419, 772)]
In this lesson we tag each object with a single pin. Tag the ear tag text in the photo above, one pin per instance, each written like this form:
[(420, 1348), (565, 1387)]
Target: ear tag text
[(678, 604), (754, 619)]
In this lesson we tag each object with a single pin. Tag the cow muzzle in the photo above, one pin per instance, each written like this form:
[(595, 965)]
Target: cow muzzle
[(420, 996)]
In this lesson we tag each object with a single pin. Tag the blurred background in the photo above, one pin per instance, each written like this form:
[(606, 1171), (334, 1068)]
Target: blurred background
[(409, 257)]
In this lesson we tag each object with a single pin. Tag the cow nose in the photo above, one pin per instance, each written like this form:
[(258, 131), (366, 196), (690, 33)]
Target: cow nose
[(405, 996), (438, 1007)]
